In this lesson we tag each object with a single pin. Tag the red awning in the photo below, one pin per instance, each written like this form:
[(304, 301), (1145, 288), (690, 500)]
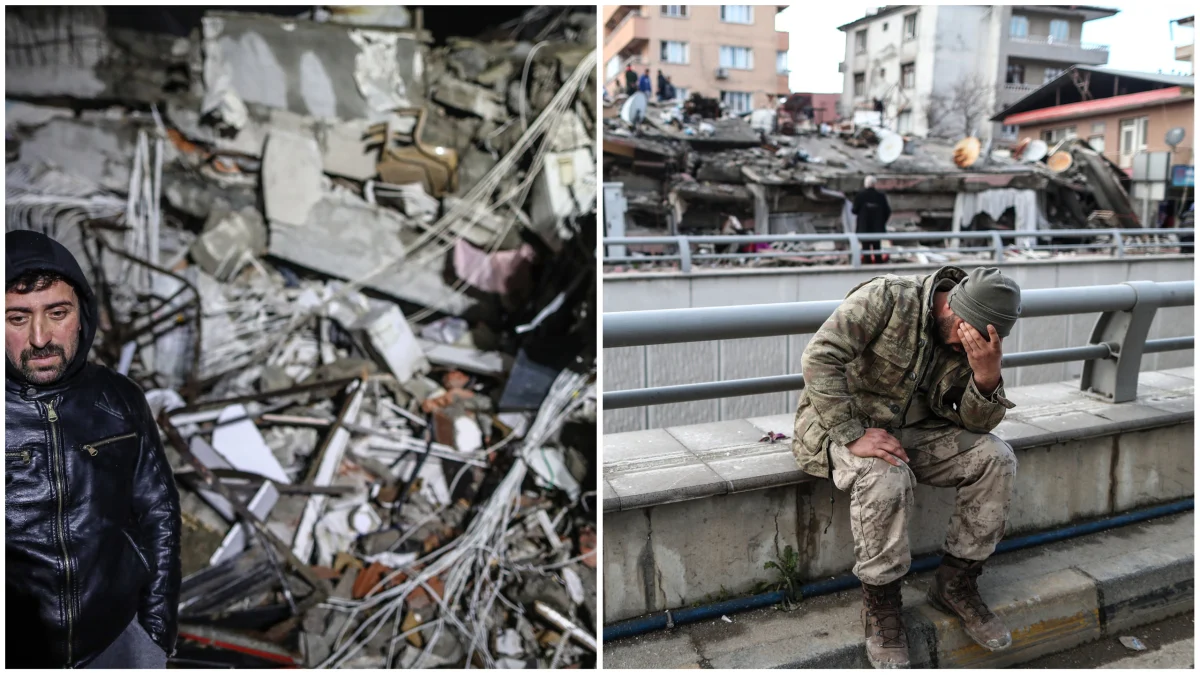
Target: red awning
[(1094, 107)]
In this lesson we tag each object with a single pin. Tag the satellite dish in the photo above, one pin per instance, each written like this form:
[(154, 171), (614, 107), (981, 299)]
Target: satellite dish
[(1175, 136), (891, 146), (966, 152), (634, 110), (1060, 161), (1037, 150), (1020, 147)]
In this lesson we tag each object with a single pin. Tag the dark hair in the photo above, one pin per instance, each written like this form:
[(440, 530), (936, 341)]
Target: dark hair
[(35, 280)]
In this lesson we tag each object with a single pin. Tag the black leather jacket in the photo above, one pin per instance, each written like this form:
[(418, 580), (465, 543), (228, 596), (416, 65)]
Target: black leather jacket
[(92, 522)]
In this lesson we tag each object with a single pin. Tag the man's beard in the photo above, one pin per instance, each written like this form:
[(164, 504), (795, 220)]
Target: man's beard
[(945, 327), (45, 374)]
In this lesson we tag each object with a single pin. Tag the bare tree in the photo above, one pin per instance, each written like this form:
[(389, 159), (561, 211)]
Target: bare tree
[(937, 107), (968, 103)]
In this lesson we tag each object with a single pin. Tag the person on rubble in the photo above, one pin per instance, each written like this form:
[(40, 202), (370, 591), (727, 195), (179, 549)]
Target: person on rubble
[(662, 86), (631, 80), (92, 519), (644, 84), (902, 385), (871, 210)]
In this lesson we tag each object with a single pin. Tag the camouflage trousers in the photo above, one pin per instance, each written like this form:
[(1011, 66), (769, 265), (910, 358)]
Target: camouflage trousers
[(981, 466)]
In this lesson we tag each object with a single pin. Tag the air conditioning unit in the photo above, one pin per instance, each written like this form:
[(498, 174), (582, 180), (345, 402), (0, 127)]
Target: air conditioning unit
[(722, 74)]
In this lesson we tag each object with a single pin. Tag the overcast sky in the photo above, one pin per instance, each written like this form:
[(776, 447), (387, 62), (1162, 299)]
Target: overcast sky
[(1139, 38)]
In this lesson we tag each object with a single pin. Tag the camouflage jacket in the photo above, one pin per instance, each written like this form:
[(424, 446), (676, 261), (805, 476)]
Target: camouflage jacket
[(863, 367)]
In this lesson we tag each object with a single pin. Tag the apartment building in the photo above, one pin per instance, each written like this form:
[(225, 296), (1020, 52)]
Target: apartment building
[(728, 51), (944, 70), (1185, 41)]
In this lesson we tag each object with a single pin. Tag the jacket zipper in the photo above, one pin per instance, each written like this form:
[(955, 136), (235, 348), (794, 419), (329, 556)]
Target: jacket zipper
[(92, 447), (52, 416), (25, 455)]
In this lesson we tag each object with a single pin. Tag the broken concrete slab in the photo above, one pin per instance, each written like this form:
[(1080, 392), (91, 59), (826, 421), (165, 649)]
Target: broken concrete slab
[(110, 144), (566, 187), (494, 364), (305, 67), (470, 98), (228, 241), (392, 337), (291, 177)]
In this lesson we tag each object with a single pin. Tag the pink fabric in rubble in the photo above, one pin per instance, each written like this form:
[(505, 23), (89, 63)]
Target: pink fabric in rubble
[(502, 272)]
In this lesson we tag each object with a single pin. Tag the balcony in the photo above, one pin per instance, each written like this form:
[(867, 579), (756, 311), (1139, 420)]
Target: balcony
[(631, 35), (1184, 52), (1011, 93), (782, 40), (1044, 48)]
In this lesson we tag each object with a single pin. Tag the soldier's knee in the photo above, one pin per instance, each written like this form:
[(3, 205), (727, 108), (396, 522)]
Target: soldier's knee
[(997, 452), (889, 479)]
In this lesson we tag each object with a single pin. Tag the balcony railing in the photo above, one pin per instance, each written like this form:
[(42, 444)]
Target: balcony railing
[(632, 14), (1050, 40)]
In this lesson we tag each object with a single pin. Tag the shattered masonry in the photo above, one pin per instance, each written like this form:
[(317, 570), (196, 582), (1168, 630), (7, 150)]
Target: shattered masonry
[(693, 168), (352, 264)]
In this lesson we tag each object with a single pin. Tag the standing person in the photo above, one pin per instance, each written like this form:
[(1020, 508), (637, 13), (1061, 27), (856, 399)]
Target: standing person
[(644, 83), (92, 521), (872, 210), (902, 386), (631, 80), (662, 86), (671, 93)]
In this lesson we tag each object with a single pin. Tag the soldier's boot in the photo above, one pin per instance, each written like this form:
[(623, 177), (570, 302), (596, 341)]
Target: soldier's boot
[(955, 590), (887, 643)]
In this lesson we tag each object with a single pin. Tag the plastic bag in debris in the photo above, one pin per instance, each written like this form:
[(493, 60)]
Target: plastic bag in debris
[(549, 465), (448, 330)]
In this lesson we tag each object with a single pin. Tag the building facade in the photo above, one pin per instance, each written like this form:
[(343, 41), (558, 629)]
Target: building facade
[(731, 52), (944, 70)]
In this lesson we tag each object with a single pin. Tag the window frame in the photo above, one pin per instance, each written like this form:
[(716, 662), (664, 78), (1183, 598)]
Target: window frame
[(749, 15), (1050, 37), (860, 48), (905, 35), (859, 79), (908, 71), (663, 52), (1012, 22), (721, 57), (683, 11), (749, 100), (786, 70)]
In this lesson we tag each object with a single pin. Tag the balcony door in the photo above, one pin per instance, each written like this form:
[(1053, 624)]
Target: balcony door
[(1132, 139)]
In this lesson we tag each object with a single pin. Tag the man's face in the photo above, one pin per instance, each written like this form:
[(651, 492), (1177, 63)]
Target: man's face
[(947, 325), (41, 331)]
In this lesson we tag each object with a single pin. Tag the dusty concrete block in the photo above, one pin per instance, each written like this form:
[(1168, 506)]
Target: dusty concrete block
[(566, 186), (630, 581), (393, 339), (291, 177), (1154, 466), (470, 98), (228, 241)]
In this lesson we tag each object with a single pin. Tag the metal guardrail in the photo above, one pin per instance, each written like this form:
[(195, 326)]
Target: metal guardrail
[(1060, 42), (1122, 241), (1112, 358)]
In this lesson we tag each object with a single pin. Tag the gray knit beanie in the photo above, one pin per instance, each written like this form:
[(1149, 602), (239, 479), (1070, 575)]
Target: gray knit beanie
[(985, 297)]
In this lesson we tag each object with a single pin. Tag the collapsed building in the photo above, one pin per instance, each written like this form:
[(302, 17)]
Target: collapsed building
[(349, 255), (688, 173)]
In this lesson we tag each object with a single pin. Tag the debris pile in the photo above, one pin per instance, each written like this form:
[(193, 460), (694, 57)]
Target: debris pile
[(685, 173), (352, 264)]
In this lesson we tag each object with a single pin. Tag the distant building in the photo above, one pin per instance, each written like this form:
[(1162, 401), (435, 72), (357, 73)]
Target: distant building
[(1119, 113), (945, 69), (728, 51), (824, 107), (1185, 45)]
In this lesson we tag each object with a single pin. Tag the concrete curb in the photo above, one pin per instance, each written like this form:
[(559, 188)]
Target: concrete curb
[(1052, 598)]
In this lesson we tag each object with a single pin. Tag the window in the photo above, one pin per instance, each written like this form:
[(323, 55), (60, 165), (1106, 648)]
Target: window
[(908, 75), (1018, 27), (1069, 132), (885, 26), (781, 64), (738, 58), (910, 27), (1097, 127), (681, 93), (1060, 30), (1009, 131), (1132, 139), (737, 13), (860, 84), (1097, 143), (677, 11), (736, 101), (1016, 74), (904, 122), (882, 73), (612, 68), (674, 52), (1052, 73), (860, 41)]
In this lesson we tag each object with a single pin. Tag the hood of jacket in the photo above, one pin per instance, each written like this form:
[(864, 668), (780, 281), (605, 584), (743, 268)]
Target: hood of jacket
[(25, 251)]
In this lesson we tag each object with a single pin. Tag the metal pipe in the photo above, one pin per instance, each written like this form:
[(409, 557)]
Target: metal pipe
[(660, 620), (1169, 344), (669, 326), (890, 236)]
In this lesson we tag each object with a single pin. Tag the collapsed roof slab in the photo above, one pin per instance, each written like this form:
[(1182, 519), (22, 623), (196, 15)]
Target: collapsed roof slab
[(941, 182)]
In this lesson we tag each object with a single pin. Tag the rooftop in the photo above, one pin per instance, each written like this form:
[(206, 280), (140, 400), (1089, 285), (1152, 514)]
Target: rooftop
[(1089, 12), (1101, 83)]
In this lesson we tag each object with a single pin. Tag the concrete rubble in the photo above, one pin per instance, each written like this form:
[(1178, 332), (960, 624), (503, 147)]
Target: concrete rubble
[(690, 168), (351, 261)]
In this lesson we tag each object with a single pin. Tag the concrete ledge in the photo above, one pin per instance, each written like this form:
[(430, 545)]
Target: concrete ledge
[(1052, 598), (693, 513), (662, 466)]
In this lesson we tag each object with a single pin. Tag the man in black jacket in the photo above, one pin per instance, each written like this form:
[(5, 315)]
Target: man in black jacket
[(91, 516), (872, 210)]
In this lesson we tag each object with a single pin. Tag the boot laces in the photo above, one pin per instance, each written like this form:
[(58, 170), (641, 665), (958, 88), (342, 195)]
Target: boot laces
[(967, 591), (886, 610)]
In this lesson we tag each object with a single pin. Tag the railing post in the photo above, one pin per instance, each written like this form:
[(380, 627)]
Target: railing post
[(855, 251), (1116, 379), (1120, 241), (685, 254), (998, 243)]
